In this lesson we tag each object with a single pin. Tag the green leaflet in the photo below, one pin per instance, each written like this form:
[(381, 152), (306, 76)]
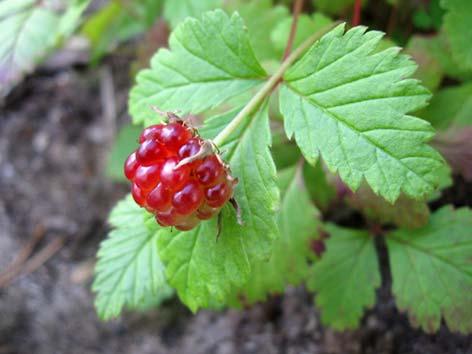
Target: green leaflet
[(345, 102), (29, 30), (346, 277), (432, 270), (289, 263), (209, 61), (201, 267), (247, 152), (458, 29), (177, 10), (128, 271)]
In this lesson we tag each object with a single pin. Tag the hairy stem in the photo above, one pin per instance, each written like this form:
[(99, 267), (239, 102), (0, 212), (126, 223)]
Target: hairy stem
[(297, 8), (270, 85)]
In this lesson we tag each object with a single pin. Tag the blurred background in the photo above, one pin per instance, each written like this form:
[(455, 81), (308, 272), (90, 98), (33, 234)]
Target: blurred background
[(64, 134)]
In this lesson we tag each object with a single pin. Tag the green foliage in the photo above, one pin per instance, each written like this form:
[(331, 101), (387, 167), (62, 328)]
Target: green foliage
[(332, 7), (350, 106), (307, 26), (261, 17), (200, 266), (289, 263), (177, 10), (459, 31), (322, 192), (128, 271), (29, 30), (432, 271), (451, 106), (256, 192), (430, 71), (346, 277), (125, 142), (209, 61), (118, 21)]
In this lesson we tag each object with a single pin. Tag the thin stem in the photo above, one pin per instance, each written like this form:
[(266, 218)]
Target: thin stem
[(270, 85), (297, 8), (356, 18)]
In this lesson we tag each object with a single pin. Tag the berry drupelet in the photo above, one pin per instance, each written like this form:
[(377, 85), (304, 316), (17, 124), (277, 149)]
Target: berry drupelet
[(177, 177)]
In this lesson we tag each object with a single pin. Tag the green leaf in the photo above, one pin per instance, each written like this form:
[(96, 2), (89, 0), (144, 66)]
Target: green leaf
[(406, 212), (346, 277), (429, 71), (124, 144), (247, 152), (307, 25), (175, 11), (128, 271), (289, 263), (29, 30), (451, 106), (209, 61), (459, 31), (350, 105), (262, 14), (432, 271), (322, 192), (201, 267), (119, 21)]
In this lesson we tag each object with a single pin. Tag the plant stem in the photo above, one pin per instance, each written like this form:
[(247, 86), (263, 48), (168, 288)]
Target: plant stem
[(270, 85), (297, 8), (356, 18)]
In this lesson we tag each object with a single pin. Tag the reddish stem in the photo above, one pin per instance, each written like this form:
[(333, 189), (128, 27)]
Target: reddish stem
[(356, 17), (297, 8)]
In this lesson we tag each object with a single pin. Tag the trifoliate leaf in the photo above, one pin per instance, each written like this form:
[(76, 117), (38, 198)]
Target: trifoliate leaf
[(289, 263), (128, 271), (257, 15), (451, 106), (201, 267), (209, 61), (459, 31), (175, 11), (406, 212), (29, 29), (346, 277), (350, 105), (307, 25), (247, 152), (432, 271)]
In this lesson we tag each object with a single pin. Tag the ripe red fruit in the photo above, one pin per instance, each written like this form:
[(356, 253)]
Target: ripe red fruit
[(178, 196)]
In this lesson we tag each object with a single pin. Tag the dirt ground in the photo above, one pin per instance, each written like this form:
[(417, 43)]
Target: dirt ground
[(55, 131)]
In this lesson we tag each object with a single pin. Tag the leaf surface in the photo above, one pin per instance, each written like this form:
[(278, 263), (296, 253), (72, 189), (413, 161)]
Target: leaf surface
[(349, 104), (432, 271)]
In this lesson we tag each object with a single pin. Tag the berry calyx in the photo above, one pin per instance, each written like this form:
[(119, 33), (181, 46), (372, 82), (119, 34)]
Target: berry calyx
[(177, 176)]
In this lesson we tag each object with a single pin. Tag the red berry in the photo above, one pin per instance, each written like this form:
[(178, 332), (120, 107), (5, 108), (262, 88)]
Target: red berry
[(210, 171), (179, 197), (217, 195), (188, 199), (147, 176), (188, 224), (206, 212), (150, 132), (131, 166), (174, 135), (150, 152), (159, 198), (137, 194), (174, 178)]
